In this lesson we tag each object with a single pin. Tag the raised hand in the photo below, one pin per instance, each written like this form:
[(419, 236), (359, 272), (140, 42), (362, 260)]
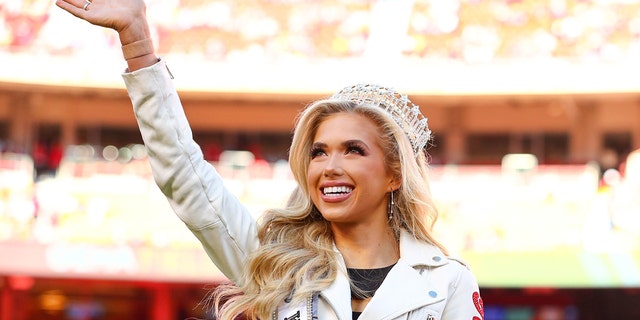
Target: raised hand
[(127, 17), (115, 14)]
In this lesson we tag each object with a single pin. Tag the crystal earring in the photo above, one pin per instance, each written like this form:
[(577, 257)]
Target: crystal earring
[(391, 205)]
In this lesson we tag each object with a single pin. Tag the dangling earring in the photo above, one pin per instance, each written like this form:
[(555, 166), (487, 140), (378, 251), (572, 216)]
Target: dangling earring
[(391, 205)]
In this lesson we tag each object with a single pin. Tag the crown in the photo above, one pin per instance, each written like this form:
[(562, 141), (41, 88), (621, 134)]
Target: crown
[(406, 114)]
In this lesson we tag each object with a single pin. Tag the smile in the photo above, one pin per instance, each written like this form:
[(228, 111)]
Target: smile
[(336, 191)]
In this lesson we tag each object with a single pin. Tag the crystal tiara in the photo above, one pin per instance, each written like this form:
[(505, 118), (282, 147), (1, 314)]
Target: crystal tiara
[(406, 114)]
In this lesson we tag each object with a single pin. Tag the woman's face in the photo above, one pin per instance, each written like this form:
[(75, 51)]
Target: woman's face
[(347, 177)]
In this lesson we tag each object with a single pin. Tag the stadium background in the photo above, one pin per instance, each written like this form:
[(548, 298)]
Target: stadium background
[(535, 107)]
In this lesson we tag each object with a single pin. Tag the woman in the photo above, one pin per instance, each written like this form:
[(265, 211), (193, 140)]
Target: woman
[(355, 238)]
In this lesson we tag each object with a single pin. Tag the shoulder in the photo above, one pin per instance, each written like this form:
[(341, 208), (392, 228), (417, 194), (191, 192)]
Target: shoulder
[(458, 261), (454, 270), (459, 271), (419, 253)]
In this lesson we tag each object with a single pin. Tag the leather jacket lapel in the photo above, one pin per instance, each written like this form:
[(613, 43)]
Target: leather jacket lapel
[(404, 289), (338, 295)]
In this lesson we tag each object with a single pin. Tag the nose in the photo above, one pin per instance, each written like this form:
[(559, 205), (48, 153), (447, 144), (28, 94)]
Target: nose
[(333, 166)]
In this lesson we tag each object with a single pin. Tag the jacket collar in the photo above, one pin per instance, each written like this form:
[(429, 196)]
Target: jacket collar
[(416, 253), (411, 294), (338, 294)]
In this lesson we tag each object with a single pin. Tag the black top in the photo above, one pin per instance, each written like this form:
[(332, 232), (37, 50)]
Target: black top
[(367, 281)]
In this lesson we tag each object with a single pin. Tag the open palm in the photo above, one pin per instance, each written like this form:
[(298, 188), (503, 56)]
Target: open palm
[(119, 15)]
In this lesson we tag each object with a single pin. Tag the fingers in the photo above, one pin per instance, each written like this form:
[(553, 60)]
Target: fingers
[(75, 7), (85, 7), (118, 15), (92, 11)]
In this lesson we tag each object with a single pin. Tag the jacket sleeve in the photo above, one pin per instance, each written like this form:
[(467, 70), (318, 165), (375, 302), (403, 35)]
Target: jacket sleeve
[(464, 301), (194, 189)]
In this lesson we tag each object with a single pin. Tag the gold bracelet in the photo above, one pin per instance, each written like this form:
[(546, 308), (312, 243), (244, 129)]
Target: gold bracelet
[(137, 49)]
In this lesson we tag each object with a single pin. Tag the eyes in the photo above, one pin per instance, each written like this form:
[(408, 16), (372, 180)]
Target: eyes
[(350, 147)]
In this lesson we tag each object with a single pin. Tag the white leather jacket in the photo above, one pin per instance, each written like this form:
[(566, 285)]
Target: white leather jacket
[(424, 284)]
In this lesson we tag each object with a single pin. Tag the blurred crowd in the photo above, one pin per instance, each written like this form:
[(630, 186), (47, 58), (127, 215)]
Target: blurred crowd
[(107, 196), (473, 31)]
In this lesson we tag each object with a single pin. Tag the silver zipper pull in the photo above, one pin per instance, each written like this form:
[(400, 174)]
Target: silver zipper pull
[(430, 317)]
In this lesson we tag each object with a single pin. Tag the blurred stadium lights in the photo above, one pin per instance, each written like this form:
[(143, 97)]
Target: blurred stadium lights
[(521, 162), (236, 159)]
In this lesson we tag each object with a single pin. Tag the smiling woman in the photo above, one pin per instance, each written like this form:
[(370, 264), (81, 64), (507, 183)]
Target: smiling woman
[(359, 224), (354, 241)]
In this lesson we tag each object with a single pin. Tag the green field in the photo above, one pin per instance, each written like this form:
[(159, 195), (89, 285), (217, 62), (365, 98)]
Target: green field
[(555, 269)]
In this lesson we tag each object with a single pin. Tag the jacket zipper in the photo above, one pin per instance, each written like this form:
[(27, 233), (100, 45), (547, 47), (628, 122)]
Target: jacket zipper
[(309, 304)]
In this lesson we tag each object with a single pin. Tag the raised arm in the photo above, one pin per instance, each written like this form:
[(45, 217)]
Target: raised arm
[(194, 189)]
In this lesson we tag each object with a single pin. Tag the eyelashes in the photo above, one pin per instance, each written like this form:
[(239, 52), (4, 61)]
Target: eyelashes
[(350, 147), (355, 147), (315, 152)]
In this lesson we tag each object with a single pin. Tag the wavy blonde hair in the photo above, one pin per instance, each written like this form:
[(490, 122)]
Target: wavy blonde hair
[(296, 257)]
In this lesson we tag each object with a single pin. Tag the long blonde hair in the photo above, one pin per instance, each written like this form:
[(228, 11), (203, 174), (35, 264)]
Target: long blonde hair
[(296, 257)]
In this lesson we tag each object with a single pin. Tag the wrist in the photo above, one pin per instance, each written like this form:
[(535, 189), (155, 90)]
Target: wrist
[(138, 49), (137, 30)]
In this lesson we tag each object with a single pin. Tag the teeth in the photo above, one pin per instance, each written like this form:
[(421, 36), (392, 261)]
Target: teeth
[(340, 189)]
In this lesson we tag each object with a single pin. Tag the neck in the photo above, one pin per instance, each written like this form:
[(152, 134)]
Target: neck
[(366, 248)]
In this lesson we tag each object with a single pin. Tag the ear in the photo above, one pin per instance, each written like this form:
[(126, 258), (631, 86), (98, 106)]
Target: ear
[(394, 184)]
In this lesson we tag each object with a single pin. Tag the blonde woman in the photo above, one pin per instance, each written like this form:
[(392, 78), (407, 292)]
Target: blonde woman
[(354, 241)]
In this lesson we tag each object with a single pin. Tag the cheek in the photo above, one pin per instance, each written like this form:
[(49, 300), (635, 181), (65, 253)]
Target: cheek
[(313, 177), (369, 169), (313, 174)]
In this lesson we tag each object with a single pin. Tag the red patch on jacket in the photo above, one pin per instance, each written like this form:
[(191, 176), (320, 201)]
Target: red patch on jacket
[(477, 301)]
